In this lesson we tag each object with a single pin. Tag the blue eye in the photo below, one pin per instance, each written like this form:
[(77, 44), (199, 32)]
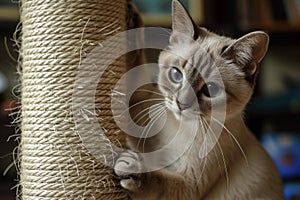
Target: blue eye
[(211, 90), (175, 75)]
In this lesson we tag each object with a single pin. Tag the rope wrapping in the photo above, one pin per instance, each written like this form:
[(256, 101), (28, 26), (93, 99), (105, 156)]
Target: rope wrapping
[(56, 36)]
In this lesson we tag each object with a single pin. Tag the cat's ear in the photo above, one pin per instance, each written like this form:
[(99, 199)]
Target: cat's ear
[(182, 24), (248, 51)]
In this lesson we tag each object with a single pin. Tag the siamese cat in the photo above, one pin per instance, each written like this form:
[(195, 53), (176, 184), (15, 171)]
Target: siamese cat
[(201, 75)]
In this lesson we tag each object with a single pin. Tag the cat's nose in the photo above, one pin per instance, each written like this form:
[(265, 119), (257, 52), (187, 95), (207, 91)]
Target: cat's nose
[(183, 106)]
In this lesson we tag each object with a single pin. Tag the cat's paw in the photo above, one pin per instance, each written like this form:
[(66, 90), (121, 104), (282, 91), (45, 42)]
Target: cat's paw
[(129, 167)]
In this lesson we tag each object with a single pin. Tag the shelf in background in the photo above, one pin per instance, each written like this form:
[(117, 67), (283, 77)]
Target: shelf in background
[(9, 13), (277, 26), (158, 12), (271, 15)]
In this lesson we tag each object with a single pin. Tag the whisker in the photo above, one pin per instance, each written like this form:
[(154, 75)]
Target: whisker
[(116, 92), (140, 102), (234, 138), (154, 107), (145, 101), (156, 110), (157, 117), (143, 125), (118, 100), (150, 91), (205, 149), (137, 117), (220, 148), (147, 128), (215, 151), (219, 164)]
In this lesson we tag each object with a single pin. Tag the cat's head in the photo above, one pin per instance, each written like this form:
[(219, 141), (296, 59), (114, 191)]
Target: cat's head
[(200, 68)]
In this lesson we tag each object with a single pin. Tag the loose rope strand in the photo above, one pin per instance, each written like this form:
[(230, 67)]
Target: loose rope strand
[(56, 36)]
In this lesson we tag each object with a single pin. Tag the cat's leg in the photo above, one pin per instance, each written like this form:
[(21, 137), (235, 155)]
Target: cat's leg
[(150, 185), (128, 167)]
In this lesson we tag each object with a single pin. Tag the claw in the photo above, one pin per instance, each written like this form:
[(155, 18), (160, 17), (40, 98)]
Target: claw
[(128, 167), (130, 184)]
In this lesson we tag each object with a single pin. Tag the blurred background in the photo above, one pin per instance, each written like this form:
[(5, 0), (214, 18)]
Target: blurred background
[(273, 113), (9, 17)]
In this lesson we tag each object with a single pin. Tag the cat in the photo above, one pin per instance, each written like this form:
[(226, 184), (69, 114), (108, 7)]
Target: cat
[(201, 74)]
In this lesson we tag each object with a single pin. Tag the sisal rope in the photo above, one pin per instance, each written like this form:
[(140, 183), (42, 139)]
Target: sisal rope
[(56, 36)]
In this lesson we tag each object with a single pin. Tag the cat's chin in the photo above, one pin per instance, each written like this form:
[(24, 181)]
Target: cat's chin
[(177, 115), (175, 112)]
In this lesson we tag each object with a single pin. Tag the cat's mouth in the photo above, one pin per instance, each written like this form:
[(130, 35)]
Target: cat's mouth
[(174, 109), (177, 114)]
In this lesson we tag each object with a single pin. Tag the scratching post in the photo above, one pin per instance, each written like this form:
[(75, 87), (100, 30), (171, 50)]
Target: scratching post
[(56, 36)]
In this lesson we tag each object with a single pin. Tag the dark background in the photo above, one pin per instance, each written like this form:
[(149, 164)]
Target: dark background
[(273, 114)]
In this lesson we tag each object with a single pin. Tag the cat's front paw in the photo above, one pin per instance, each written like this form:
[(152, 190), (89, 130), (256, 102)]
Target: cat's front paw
[(129, 167)]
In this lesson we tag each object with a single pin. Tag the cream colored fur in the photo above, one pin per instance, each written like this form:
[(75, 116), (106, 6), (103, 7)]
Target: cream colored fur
[(237, 167)]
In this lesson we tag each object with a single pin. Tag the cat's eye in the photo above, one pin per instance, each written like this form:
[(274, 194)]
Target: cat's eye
[(211, 90), (175, 75)]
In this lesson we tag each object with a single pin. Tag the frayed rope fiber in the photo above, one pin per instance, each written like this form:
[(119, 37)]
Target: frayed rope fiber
[(56, 36)]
